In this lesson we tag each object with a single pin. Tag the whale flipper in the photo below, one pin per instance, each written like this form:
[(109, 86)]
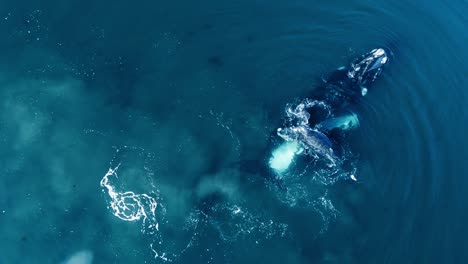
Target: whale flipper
[(344, 122)]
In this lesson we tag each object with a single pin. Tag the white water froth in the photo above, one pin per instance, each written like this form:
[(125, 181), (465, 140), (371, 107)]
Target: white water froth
[(312, 142), (299, 116), (300, 138), (129, 206)]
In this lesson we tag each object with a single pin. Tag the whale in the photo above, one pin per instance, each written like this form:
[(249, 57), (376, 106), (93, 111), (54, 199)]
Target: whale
[(344, 89), (317, 123)]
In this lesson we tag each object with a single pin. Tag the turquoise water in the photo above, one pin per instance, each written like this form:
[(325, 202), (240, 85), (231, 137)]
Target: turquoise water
[(182, 93)]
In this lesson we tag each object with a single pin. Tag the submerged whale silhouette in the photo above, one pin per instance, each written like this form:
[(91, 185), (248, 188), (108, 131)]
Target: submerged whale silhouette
[(327, 111)]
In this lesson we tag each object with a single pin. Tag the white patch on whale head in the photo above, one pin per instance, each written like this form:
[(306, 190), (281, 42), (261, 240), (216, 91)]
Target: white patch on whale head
[(384, 60), (378, 52)]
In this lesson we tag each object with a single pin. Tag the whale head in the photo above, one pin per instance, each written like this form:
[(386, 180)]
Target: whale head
[(366, 69)]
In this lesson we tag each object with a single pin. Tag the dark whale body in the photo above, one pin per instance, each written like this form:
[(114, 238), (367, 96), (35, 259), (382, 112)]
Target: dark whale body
[(346, 86), (319, 122)]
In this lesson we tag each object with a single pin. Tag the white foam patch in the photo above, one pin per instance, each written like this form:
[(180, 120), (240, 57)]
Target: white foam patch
[(133, 196), (283, 155), (129, 206)]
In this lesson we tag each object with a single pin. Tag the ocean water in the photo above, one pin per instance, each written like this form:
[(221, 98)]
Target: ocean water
[(135, 132)]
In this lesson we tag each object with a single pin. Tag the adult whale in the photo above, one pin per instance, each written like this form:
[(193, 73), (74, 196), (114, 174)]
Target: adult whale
[(315, 125)]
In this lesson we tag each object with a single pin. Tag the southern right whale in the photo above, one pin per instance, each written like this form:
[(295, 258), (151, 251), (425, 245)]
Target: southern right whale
[(314, 126)]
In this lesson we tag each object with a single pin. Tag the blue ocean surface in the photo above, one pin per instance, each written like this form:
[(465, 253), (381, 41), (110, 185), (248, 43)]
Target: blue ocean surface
[(142, 131)]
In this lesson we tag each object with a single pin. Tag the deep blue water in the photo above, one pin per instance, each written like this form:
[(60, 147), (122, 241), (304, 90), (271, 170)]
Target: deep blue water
[(180, 92)]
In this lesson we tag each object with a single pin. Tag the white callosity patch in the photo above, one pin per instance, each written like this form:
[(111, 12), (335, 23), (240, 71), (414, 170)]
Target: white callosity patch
[(283, 155), (370, 64)]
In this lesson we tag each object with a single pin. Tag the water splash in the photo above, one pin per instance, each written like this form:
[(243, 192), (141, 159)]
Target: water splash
[(284, 155), (297, 129), (318, 163), (298, 115)]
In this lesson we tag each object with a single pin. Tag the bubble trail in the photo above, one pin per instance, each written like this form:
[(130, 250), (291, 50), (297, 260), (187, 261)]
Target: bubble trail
[(129, 206)]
